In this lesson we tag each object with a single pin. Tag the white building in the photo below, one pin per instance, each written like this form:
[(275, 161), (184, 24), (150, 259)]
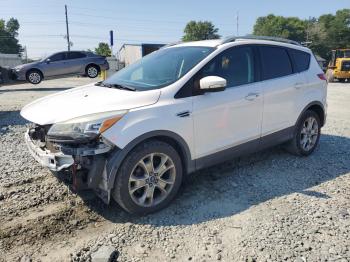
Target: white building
[(130, 53), (10, 60)]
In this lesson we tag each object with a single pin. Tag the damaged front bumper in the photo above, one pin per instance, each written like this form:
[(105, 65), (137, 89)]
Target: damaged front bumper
[(53, 161), (86, 163)]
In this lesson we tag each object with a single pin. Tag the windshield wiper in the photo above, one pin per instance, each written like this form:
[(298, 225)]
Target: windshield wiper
[(116, 86)]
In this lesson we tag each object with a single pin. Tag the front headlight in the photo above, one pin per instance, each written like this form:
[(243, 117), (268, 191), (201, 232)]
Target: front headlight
[(85, 127)]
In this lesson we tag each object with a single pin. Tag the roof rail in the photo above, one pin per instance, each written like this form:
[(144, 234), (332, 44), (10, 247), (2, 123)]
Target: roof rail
[(171, 44), (256, 37)]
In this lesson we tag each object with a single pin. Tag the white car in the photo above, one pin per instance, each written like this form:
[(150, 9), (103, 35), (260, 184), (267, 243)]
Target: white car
[(133, 137)]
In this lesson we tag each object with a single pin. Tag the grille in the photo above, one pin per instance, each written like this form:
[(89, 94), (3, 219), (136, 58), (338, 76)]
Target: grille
[(38, 134), (345, 66)]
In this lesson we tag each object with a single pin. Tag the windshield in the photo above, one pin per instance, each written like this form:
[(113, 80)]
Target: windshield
[(160, 68), (344, 53)]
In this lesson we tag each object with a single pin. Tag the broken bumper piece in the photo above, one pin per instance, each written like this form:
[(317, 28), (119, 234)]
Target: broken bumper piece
[(85, 162), (53, 161)]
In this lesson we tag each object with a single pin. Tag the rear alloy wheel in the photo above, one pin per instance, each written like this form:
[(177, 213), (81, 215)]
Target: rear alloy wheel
[(307, 135), (92, 71), (149, 178), (34, 77)]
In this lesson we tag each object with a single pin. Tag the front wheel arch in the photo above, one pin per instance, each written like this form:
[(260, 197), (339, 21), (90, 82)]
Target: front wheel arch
[(121, 190), (118, 155)]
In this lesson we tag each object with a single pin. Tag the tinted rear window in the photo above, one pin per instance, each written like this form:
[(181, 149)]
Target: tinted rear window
[(275, 62), (75, 55), (301, 60)]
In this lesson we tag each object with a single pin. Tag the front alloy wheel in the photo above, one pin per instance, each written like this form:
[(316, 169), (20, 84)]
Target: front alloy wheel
[(34, 77), (149, 178), (152, 179)]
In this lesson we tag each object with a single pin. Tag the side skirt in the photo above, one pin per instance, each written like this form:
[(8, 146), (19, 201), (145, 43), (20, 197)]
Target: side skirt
[(245, 148)]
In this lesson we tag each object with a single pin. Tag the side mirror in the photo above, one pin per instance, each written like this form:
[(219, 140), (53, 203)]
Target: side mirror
[(212, 84), (48, 61)]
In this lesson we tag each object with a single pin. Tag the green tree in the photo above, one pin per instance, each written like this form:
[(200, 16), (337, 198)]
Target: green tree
[(330, 32), (12, 27), (323, 34), (201, 30), (278, 26), (103, 49), (8, 37)]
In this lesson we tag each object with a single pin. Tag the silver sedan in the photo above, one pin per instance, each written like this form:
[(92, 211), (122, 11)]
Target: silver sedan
[(62, 63)]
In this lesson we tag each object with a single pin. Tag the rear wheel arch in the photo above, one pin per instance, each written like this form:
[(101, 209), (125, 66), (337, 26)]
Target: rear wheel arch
[(94, 65), (316, 107), (319, 110)]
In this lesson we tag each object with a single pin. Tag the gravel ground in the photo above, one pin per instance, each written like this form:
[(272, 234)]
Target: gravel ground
[(268, 206)]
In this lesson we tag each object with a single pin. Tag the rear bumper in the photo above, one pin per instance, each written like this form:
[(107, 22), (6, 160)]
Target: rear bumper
[(105, 66), (53, 161)]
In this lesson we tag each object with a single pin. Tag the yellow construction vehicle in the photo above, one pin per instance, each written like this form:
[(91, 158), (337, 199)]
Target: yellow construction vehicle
[(339, 66)]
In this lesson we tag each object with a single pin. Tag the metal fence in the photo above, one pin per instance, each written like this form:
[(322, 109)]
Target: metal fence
[(10, 60)]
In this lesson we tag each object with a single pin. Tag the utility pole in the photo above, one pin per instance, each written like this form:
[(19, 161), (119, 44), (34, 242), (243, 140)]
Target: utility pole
[(68, 42), (237, 34), (308, 40), (25, 53)]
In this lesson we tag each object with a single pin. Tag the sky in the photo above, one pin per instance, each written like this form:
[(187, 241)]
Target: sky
[(42, 22)]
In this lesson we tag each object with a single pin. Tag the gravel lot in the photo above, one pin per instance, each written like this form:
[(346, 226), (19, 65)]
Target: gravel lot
[(269, 206)]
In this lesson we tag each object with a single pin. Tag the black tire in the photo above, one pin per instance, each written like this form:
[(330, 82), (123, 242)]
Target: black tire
[(342, 80), (34, 76), (294, 146), (92, 71), (122, 184)]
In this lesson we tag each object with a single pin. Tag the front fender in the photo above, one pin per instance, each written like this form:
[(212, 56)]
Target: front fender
[(116, 157)]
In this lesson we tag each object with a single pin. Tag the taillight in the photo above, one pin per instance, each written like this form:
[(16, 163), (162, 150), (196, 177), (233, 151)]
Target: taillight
[(322, 77)]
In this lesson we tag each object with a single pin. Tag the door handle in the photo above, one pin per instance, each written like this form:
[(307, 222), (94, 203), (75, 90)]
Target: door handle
[(251, 96), (184, 114), (298, 85)]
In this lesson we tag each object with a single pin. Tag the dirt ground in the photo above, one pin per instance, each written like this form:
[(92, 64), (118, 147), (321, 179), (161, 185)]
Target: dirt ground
[(269, 206)]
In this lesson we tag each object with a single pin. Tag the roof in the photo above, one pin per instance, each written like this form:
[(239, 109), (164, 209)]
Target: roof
[(244, 39), (208, 43)]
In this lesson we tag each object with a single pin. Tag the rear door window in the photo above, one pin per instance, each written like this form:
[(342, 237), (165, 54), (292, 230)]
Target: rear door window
[(275, 62), (301, 60), (76, 55)]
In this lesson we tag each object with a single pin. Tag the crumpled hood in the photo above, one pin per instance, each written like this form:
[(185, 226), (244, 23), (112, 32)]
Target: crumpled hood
[(85, 100), (27, 65)]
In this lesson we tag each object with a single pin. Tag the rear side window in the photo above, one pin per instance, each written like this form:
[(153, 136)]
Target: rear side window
[(275, 62), (75, 55), (301, 60)]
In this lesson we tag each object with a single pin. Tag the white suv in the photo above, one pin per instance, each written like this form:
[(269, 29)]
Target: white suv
[(187, 106)]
